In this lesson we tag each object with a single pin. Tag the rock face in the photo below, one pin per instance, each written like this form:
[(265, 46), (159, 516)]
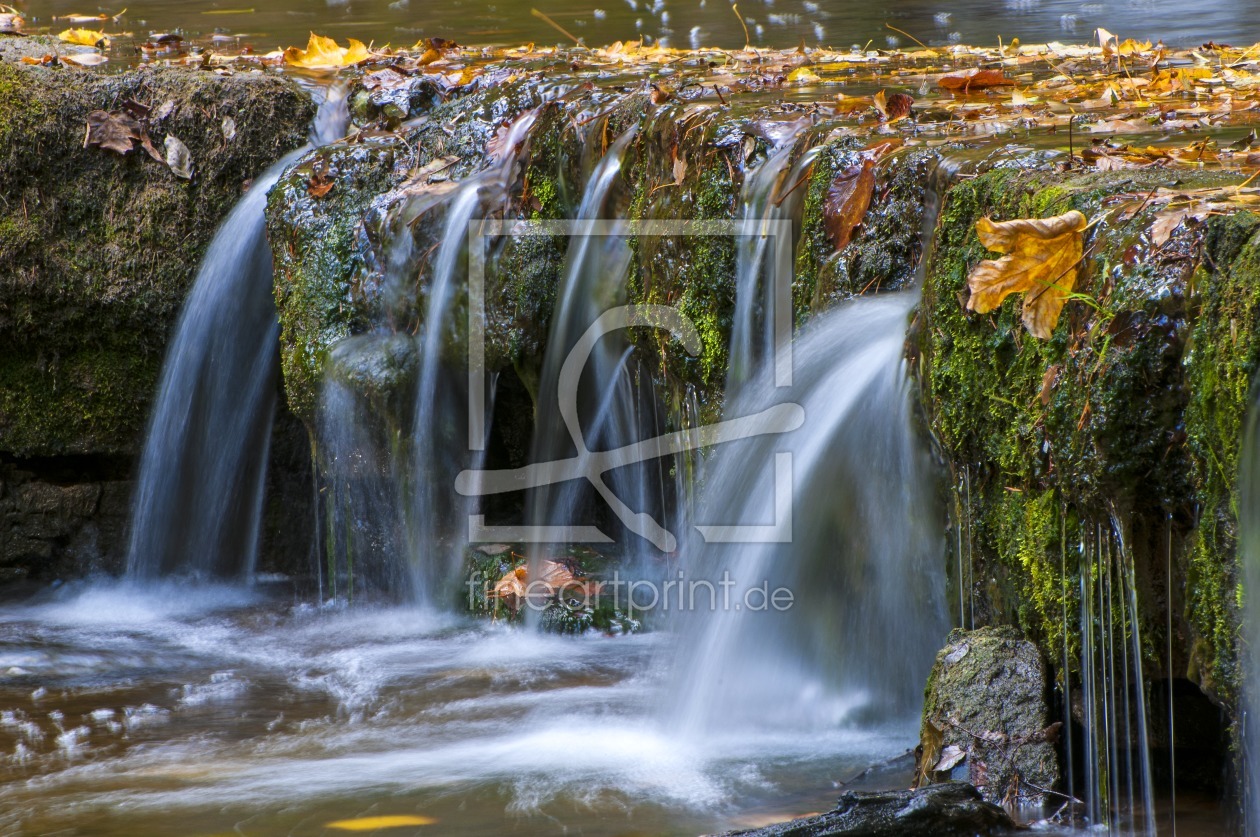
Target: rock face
[(97, 252), (986, 718), (1103, 461), (951, 809)]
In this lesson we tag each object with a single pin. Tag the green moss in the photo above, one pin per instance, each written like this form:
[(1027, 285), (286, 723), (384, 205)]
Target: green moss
[(1076, 441), (1221, 369), (99, 249)]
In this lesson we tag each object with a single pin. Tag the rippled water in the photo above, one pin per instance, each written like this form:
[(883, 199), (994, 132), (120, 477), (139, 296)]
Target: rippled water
[(155, 711), (685, 22)]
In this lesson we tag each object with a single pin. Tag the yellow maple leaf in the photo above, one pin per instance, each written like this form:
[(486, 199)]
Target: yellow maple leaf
[(84, 37), (1042, 258), (323, 54)]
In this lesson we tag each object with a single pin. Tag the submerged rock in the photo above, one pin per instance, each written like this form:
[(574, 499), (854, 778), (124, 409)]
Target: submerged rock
[(951, 809), (986, 717)]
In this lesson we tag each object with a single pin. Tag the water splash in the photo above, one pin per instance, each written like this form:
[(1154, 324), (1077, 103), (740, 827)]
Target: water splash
[(199, 496), (859, 557)]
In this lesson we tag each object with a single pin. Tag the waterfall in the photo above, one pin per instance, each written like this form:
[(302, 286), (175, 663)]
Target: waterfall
[(596, 266), (848, 529), (198, 500), (766, 203), (392, 522)]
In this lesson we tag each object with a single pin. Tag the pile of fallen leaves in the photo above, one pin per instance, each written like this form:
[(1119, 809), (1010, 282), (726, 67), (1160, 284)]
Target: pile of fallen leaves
[(552, 580)]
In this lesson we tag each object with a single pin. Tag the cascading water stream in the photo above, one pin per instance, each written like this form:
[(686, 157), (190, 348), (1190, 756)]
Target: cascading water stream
[(766, 206), (595, 270), (858, 558), (198, 500), (853, 565), (392, 521), (437, 523)]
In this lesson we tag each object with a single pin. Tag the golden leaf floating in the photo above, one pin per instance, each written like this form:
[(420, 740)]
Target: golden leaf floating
[(323, 54), (374, 823), (1042, 258), (975, 80), (84, 37)]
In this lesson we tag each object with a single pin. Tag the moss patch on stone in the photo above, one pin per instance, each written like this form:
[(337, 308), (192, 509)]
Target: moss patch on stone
[(99, 250)]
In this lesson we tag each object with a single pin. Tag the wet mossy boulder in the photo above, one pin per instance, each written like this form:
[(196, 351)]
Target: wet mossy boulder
[(950, 809), (98, 249), (986, 717), (1106, 454)]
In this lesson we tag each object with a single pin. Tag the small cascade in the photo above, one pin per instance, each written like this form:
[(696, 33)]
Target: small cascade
[(392, 523), (612, 408), (837, 645), (1117, 783), (768, 207), (199, 497)]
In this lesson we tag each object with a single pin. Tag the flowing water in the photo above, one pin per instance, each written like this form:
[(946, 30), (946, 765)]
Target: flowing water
[(862, 618), (199, 494), (781, 23), (221, 711)]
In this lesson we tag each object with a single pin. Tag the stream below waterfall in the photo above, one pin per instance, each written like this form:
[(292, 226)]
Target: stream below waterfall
[(162, 710)]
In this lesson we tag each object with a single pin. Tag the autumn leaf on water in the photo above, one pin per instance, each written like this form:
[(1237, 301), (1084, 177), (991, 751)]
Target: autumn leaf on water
[(894, 107), (376, 823), (975, 80), (84, 37), (1042, 258), (323, 54)]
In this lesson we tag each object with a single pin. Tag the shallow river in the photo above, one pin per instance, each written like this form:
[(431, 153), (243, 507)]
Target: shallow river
[(682, 22), (127, 712)]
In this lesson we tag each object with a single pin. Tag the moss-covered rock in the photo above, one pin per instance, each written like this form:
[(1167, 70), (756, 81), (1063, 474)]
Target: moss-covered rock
[(1068, 457), (986, 715), (97, 250)]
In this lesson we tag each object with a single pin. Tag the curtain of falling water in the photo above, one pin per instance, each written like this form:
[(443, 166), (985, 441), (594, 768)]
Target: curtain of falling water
[(393, 522), (199, 495)]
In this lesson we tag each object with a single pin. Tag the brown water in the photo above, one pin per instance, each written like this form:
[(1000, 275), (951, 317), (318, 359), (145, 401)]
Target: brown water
[(270, 23), (127, 711)]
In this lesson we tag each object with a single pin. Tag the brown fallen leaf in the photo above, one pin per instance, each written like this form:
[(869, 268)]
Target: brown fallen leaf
[(849, 195), (975, 80), (117, 132), (848, 198), (1042, 258), (319, 185), (680, 170), (178, 157), (894, 107)]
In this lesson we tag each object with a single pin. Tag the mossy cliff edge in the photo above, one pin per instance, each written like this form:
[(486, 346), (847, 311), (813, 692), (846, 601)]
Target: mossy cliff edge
[(1108, 453), (97, 253)]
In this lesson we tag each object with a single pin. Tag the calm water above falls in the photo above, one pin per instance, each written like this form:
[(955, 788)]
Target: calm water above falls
[(689, 22)]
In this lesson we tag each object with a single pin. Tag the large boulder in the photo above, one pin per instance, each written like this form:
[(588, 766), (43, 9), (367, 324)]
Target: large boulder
[(986, 717)]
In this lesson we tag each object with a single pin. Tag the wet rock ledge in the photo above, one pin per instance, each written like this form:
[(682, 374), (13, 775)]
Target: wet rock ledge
[(97, 252), (952, 809)]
